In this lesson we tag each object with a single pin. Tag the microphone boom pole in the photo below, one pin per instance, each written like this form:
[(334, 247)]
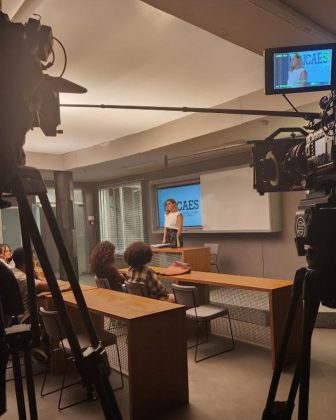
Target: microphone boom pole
[(310, 116)]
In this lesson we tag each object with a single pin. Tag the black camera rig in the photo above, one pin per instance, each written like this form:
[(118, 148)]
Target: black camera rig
[(29, 98), (304, 160)]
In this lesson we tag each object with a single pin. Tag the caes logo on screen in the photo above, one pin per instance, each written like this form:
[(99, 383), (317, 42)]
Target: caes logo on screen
[(188, 205)]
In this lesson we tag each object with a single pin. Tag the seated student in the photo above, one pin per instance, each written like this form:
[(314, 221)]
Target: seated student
[(102, 265), (10, 298), (10, 305), (137, 255), (38, 271), (5, 255), (20, 274)]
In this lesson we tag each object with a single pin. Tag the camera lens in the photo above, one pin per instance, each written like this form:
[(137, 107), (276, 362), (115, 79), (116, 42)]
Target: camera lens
[(270, 169)]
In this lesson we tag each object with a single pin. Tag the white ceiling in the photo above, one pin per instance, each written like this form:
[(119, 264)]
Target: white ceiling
[(128, 52)]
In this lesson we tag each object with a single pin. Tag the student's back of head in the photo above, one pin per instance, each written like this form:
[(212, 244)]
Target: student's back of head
[(18, 257), (101, 256), (138, 254)]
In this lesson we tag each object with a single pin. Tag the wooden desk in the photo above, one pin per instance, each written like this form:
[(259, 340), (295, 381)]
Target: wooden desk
[(197, 257), (157, 349), (279, 294), (45, 298)]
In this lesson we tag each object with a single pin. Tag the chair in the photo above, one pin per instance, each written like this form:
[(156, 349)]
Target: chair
[(138, 288), (188, 296), (57, 337), (102, 283), (213, 254)]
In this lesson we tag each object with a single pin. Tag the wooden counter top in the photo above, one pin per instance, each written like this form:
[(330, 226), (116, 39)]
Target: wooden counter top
[(226, 280), (175, 250), (65, 287), (121, 305), (230, 280)]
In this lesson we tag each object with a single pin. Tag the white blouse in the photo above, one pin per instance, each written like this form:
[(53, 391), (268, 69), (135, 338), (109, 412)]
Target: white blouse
[(294, 77), (171, 220)]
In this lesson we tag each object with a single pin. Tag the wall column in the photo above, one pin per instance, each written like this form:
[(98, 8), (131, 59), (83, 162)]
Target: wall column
[(65, 216), (91, 218)]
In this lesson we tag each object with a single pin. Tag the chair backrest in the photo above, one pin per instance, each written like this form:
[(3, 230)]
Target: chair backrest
[(102, 282), (186, 295), (138, 288), (52, 324), (213, 248)]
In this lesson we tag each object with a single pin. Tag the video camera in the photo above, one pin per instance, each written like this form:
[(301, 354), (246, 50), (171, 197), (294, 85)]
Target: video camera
[(306, 158), (301, 161), (29, 97)]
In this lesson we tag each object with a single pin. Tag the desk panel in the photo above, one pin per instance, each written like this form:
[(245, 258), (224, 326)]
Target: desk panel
[(197, 257), (157, 348)]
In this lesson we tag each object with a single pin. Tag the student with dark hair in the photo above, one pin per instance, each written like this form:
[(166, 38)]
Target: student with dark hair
[(102, 265), (137, 255), (20, 274)]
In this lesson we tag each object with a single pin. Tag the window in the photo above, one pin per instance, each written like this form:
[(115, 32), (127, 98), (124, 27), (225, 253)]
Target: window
[(121, 215)]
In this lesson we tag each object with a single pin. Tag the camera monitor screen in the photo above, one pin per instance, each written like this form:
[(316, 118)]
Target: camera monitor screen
[(300, 69), (188, 199)]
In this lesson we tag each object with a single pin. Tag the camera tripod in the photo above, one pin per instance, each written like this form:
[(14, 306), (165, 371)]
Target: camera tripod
[(91, 365), (18, 338), (315, 224)]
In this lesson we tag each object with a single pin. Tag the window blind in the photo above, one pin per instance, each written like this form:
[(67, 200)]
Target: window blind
[(121, 215)]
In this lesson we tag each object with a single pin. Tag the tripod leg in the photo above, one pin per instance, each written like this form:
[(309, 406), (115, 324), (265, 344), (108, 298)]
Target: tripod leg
[(32, 303), (18, 386), (101, 382), (52, 223), (312, 287), (30, 385), (52, 282), (312, 298), (302, 368), (92, 368), (270, 411), (108, 404), (4, 353)]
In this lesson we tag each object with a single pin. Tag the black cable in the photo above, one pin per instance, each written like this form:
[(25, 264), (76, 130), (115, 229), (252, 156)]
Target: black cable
[(290, 103), (329, 130), (262, 257), (65, 55)]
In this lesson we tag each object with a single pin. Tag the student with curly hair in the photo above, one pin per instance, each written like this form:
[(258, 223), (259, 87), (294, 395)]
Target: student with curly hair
[(102, 265), (137, 255)]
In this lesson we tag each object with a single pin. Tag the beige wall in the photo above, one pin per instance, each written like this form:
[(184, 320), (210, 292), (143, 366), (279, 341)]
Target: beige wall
[(270, 255), (257, 254)]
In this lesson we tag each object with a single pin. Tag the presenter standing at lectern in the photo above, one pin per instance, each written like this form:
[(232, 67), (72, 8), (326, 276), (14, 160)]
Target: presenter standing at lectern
[(173, 225), (297, 75)]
